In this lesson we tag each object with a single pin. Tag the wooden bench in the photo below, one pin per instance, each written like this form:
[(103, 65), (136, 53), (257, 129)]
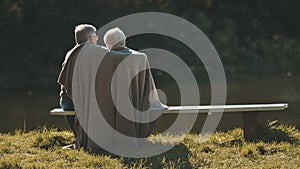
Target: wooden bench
[(250, 114)]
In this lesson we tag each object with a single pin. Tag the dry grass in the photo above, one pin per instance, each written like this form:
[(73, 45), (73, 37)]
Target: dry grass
[(278, 147)]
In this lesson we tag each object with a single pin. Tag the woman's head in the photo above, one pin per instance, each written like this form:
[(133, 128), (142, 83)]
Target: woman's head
[(114, 38)]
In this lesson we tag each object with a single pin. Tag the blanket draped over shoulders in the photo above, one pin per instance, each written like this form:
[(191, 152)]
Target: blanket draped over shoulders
[(112, 90)]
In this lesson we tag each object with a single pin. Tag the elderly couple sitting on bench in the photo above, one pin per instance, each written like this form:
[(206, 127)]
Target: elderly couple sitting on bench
[(91, 71)]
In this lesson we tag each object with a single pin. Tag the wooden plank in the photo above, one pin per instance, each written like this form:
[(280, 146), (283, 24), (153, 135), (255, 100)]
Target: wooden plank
[(61, 112), (227, 108), (205, 109)]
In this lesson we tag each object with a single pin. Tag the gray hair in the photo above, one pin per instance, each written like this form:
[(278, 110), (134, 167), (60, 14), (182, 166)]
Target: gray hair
[(114, 37), (83, 32)]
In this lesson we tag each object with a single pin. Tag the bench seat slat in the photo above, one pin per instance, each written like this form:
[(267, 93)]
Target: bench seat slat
[(205, 109)]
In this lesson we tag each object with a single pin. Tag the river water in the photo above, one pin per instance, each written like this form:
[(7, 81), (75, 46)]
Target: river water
[(29, 108)]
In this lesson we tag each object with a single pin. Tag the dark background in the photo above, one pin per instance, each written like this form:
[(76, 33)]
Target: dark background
[(257, 41)]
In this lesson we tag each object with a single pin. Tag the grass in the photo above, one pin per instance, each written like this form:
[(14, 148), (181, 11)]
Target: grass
[(278, 147)]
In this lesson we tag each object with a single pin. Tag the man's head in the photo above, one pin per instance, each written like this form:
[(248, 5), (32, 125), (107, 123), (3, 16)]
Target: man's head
[(85, 33), (114, 38)]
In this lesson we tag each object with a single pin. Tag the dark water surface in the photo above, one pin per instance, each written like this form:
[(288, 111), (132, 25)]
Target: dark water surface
[(30, 108)]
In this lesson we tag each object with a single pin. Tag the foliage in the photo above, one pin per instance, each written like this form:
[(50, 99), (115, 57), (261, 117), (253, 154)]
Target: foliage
[(251, 37)]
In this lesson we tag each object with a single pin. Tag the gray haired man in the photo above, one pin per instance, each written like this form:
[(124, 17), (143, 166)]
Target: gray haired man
[(84, 34)]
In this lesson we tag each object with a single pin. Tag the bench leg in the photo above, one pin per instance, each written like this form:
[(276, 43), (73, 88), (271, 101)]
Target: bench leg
[(251, 122)]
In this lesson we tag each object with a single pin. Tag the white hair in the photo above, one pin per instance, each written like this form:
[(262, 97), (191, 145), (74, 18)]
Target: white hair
[(113, 37)]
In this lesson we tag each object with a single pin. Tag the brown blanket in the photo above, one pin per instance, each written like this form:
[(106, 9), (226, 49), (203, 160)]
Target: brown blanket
[(102, 81)]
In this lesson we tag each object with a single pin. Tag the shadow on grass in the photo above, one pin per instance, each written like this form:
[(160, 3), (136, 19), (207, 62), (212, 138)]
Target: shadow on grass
[(177, 157), (275, 132)]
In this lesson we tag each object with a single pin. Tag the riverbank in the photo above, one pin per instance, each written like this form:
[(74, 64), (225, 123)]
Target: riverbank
[(42, 148)]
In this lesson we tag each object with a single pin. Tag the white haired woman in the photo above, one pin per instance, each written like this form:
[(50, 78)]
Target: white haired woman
[(142, 91)]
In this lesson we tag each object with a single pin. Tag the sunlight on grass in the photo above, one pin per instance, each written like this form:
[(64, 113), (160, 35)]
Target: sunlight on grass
[(277, 147)]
